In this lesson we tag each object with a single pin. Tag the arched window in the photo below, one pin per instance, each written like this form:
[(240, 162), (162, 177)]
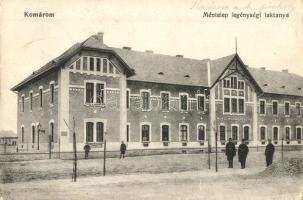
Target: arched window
[(299, 133), (222, 133), (183, 132), (100, 131), (262, 133), (246, 133), (145, 133), (201, 133), (234, 133), (287, 133), (33, 134), (89, 132), (22, 134), (165, 133), (51, 131), (275, 133)]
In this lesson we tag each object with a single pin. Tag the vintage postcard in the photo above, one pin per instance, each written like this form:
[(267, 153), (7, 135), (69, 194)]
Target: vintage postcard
[(192, 99)]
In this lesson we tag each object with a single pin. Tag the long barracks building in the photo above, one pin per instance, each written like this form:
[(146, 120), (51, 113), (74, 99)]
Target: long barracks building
[(154, 101)]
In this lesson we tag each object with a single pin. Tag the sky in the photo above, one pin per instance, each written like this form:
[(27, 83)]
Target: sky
[(168, 27)]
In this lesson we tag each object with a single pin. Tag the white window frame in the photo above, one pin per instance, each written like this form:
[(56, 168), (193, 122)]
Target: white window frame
[(150, 131), (299, 108), (242, 81), (201, 95), (288, 108), (150, 105), (94, 121), (22, 103), (249, 131), (266, 137), (169, 131), (236, 82), (264, 107), (36, 132), (205, 138), (165, 92), (22, 135), (275, 126), (31, 100), (186, 124), (219, 133), (287, 126), (51, 94), (180, 103), (231, 131), (272, 105), (40, 97), (95, 82), (301, 127), (127, 124)]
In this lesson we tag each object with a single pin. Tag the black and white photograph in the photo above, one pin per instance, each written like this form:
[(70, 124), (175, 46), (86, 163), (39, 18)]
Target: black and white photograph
[(180, 100)]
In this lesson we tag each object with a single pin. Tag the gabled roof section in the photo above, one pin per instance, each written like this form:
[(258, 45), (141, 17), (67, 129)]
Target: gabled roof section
[(276, 82), (218, 66)]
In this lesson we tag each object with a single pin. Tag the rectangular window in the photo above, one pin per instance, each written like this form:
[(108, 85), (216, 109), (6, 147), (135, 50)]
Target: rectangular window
[(127, 99), (91, 64), (234, 108), (52, 89), (286, 108), (145, 100), (241, 85), (127, 133), (78, 65), (226, 83), (98, 65), (100, 93), (298, 109), (89, 92), (201, 133), (276, 132), (262, 133), (274, 107), (165, 101), (165, 133), (84, 63), (22, 134), (89, 132), (145, 133), (51, 131), (287, 133), (234, 132), (111, 68), (262, 107), (31, 101), (299, 133), (201, 103), (104, 65), (100, 131), (41, 96), (226, 105), (183, 99), (234, 82), (184, 130), (241, 105), (222, 133), (22, 103), (33, 134)]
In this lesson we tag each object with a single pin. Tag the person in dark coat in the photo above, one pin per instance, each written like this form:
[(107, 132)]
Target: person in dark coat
[(269, 153), (86, 150), (242, 153), (122, 150), (230, 152)]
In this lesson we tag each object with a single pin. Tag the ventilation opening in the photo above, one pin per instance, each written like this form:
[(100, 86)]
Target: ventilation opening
[(161, 73), (186, 76), (127, 48), (180, 56), (265, 84)]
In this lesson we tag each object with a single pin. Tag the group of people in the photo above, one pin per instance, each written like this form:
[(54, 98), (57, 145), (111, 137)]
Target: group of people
[(230, 152)]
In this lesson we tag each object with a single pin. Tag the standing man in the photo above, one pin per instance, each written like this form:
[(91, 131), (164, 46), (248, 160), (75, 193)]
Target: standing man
[(230, 152), (269, 153), (122, 150), (86, 150), (242, 153)]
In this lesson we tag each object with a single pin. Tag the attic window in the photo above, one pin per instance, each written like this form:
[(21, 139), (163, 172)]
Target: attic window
[(161, 73), (186, 76), (283, 86), (299, 88), (265, 84)]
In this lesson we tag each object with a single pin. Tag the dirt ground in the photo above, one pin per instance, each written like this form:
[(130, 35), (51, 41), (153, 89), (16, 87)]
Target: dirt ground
[(152, 177)]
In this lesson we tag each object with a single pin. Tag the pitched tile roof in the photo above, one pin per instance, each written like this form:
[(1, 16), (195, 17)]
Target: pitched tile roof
[(276, 82), (159, 68)]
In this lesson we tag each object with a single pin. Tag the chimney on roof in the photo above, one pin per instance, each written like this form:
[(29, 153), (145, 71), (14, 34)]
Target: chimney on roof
[(127, 48), (149, 51), (180, 56), (100, 37), (263, 68), (285, 70)]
